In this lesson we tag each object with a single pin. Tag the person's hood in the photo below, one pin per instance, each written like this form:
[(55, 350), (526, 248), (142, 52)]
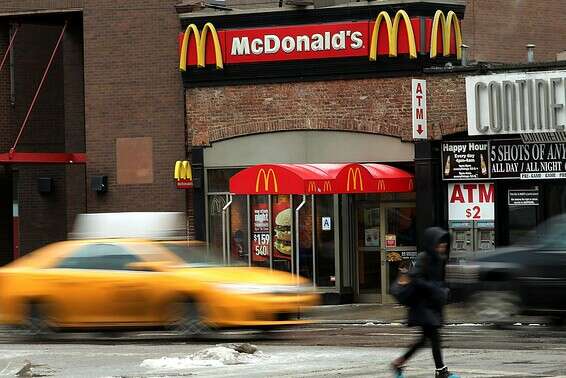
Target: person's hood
[(433, 236)]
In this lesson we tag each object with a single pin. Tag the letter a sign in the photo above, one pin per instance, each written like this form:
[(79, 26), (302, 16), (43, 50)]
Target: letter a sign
[(420, 130)]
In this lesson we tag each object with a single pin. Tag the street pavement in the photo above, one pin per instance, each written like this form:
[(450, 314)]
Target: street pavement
[(318, 350)]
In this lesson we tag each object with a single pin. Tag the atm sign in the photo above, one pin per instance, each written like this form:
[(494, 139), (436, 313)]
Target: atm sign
[(471, 201)]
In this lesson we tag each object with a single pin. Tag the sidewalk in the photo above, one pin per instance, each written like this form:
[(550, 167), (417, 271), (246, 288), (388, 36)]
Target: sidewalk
[(388, 313)]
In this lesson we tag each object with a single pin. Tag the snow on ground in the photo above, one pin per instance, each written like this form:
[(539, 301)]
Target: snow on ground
[(213, 357)]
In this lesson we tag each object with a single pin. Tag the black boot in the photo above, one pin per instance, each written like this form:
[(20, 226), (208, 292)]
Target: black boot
[(444, 373)]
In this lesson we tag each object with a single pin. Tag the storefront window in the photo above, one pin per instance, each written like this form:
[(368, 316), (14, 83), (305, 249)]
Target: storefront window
[(368, 243), (239, 247), (400, 238), (305, 236), (215, 205), (219, 179), (325, 243), (261, 233), (282, 222), (522, 223), (401, 227)]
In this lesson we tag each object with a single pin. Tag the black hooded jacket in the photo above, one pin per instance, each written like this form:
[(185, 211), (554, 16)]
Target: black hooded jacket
[(428, 278)]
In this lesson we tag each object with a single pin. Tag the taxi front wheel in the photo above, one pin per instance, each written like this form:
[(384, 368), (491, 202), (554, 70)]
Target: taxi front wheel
[(189, 320)]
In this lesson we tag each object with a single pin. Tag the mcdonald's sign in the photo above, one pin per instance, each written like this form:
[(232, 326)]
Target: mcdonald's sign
[(183, 175), (386, 35), (446, 23), (392, 29), (381, 185), (268, 177), (354, 179), (313, 187), (200, 38)]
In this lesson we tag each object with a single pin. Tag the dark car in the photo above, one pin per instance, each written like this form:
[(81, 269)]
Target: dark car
[(528, 278)]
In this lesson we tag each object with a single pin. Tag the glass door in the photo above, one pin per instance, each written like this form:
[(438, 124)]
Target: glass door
[(215, 204), (398, 240), (367, 247)]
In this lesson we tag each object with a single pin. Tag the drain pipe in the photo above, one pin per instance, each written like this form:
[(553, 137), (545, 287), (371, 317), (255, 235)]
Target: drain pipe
[(225, 239)]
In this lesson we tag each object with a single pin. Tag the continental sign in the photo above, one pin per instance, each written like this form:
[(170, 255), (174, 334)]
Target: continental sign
[(388, 35)]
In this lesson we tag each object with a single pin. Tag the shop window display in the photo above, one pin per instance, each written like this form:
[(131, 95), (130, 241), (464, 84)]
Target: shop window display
[(215, 205), (400, 238), (305, 236), (325, 243), (260, 231), (282, 226), (239, 247)]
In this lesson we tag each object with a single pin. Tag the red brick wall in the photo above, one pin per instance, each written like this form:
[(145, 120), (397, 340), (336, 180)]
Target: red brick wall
[(42, 216), (6, 136), (125, 85), (132, 89), (379, 106), (498, 30)]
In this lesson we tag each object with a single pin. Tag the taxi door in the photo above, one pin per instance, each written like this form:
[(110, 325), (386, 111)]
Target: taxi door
[(94, 287)]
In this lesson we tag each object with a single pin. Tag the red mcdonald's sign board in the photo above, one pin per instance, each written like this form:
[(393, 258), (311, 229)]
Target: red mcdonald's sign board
[(383, 36)]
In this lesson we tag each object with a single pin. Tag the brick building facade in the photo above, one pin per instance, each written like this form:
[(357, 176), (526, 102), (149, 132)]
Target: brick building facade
[(115, 78)]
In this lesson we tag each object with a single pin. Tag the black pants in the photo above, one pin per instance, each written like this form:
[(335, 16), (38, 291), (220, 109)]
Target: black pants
[(432, 334)]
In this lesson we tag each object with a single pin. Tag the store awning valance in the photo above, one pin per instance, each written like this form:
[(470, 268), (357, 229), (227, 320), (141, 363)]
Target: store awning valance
[(281, 179), (372, 178), (321, 179)]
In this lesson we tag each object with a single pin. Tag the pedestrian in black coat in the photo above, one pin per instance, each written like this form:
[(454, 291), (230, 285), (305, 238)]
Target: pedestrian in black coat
[(426, 308)]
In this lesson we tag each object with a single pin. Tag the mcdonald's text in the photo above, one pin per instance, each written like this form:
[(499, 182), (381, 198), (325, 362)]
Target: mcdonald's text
[(386, 35)]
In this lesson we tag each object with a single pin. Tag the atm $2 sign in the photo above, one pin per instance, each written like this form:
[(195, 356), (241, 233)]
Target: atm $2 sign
[(471, 201)]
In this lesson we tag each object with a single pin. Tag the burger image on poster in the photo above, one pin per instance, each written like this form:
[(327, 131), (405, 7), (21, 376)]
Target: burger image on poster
[(283, 232)]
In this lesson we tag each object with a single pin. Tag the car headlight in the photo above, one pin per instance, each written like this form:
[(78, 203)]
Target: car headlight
[(263, 289)]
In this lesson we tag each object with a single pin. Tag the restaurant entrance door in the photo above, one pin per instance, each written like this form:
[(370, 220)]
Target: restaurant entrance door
[(384, 237), (366, 247)]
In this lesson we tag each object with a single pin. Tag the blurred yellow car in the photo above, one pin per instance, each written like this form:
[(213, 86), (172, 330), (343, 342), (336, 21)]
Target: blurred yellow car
[(134, 283)]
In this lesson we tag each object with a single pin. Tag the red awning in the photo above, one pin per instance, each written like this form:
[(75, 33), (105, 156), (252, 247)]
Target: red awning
[(321, 179), (279, 179)]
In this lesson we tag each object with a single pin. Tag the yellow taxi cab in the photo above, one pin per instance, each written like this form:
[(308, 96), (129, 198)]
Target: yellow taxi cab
[(101, 283)]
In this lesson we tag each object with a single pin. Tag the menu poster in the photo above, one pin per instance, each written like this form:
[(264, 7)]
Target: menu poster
[(260, 230), (282, 233), (372, 237), (465, 160)]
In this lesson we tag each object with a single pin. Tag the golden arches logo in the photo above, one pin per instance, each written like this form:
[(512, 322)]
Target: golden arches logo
[(392, 34), (355, 177), (327, 187), (311, 187), (266, 179), (200, 42), (381, 185), (445, 22), (183, 170)]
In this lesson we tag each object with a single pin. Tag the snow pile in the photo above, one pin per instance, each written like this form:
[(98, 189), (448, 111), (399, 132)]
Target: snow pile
[(220, 355)]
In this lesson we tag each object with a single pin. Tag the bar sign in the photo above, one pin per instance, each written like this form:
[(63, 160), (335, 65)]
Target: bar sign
[(420, 130)]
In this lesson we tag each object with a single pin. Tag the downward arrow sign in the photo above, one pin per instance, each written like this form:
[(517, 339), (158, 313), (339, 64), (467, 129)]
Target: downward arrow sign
[(420, 129)]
